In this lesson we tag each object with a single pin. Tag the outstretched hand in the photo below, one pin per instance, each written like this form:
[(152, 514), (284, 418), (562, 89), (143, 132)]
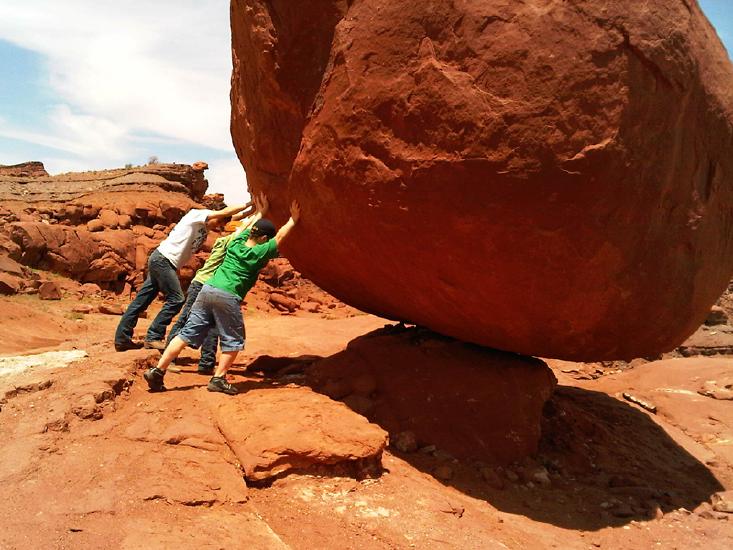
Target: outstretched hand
[(295, 211), (261, 203)]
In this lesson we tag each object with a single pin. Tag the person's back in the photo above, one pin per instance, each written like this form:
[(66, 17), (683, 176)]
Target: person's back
[(237, 274)]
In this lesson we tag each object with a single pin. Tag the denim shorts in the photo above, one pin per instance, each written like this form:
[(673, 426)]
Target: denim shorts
[(215, 308)]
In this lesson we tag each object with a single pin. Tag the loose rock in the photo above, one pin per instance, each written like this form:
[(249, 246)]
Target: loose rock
[(49, 291)]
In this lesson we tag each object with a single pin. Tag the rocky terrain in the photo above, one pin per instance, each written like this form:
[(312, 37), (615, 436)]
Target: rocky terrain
[(98, 228), (350, 434), (511, 142), (535, 362), (350, 431)]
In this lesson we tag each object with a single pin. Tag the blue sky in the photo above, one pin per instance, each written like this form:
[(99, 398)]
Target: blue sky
[(92, 84)]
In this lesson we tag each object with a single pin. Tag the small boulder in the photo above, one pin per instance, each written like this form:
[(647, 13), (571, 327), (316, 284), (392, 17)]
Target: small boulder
[(124, 221), (405, 442), (90, 211), (111, 309), (95, 225), (492, 478), (718, 389), (283, 302), (311, 307), (82, 308), (9, 284), (10, 266), (109, 218), (723, 502), (90, 289), (541, 477), (717, 316), (49, 291)]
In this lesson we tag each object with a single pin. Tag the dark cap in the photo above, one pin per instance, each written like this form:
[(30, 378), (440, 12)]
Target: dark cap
[(264, 227)]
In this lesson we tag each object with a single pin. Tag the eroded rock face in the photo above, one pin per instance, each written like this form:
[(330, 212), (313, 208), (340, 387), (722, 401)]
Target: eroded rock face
[(96, 226), (33, 169), (546, 177)]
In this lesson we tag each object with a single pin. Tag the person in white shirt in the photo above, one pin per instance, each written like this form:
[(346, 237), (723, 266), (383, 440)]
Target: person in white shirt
[(184, 241)]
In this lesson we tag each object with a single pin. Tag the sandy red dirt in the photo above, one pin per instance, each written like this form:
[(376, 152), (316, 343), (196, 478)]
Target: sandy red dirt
[(91, 459)]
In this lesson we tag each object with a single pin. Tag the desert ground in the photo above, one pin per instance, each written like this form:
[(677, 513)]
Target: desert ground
[(91, 459)]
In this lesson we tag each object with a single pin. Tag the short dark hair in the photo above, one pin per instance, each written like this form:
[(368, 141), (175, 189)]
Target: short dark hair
[(263, 227)]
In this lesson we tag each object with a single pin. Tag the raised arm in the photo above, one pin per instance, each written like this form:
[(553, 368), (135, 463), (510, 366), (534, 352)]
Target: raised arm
[(248, 211), (228, 211), (260, 206), (285, 229)]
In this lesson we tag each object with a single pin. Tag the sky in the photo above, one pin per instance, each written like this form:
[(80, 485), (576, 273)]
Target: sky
[(94, 84)]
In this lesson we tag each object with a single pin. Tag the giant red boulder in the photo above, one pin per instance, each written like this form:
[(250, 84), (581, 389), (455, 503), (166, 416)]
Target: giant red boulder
[(546, 177)]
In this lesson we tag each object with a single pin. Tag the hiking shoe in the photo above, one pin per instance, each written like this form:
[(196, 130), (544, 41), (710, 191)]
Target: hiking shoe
[(220, 384), (155, 344), (154, 378), (125, 346), (205, 370)]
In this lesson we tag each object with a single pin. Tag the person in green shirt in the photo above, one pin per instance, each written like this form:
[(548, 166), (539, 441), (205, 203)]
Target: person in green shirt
[(211, 343), (218, 303)]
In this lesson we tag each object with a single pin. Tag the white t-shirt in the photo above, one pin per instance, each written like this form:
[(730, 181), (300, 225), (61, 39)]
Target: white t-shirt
[(186, 238)]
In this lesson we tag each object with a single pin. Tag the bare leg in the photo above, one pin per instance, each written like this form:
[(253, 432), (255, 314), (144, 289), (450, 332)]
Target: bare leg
[(173, 350), (226, 359)]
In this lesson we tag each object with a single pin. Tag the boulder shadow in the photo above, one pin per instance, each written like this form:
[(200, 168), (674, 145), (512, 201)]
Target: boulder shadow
[(584, 461)]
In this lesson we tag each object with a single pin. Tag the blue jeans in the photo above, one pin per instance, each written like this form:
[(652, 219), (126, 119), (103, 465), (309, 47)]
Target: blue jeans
[(162, 277), (215, 308), (208, 349)]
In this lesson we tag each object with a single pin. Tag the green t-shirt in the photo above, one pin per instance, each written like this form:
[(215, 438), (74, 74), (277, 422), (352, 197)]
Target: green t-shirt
[(214, 260), (238, 272)]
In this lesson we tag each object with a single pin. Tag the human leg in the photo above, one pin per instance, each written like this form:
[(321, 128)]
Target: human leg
[(172, 351), (225, 362), (229, 322), (192, 334), (167, 279), (208, 352), (193, 291), (145, 296)]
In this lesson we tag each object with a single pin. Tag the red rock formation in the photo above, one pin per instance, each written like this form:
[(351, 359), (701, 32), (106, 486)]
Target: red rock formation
[(33, 169), (550, 178), (318, 435), (94, 226), (469, 401)]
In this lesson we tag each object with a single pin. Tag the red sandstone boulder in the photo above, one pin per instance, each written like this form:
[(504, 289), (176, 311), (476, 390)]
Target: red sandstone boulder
[(9, 284), (95, 225), (109, 218), (49, 291), (103, 256), (537, 177), (298, 430)]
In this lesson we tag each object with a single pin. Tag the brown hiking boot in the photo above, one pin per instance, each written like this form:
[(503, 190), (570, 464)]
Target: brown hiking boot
[(125, 346), (155, 344)]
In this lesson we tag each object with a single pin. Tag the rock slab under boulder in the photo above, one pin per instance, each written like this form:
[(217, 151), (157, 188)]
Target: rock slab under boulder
[(274, 433), (538, 177), (471, 402)]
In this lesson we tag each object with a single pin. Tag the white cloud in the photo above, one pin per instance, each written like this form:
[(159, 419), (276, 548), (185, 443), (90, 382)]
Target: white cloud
[(119, 70), (81, 135), (227, 176)]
